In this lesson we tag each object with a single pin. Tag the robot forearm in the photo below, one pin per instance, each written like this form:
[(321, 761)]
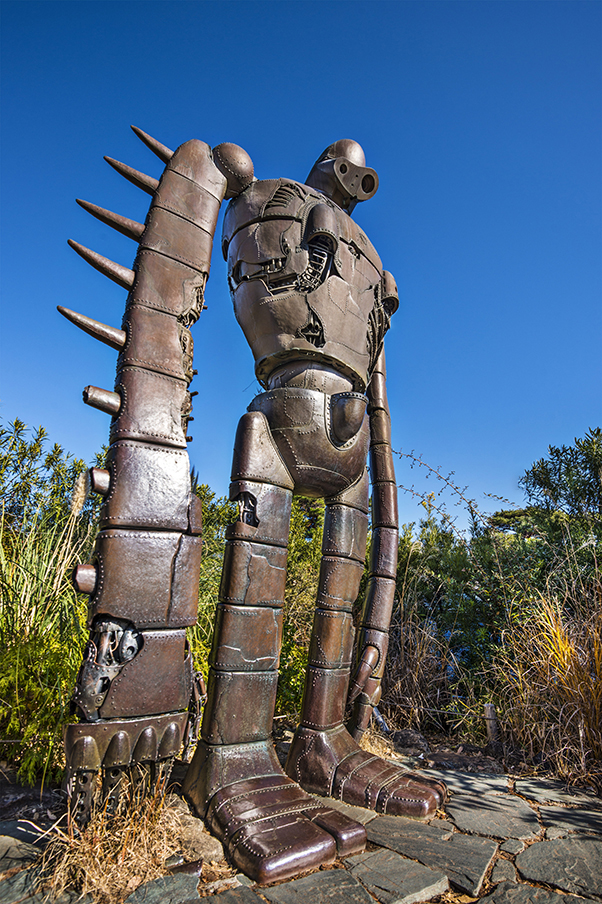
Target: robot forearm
[(136, 683), (373, 632)]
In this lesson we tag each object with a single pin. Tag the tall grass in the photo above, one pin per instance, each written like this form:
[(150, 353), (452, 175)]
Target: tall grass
[(547, 679), (42, 636), (543, 672), (512, 618), (416, 684), (46, 527)]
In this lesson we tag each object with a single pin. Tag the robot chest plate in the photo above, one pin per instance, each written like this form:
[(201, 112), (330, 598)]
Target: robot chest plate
[(300, 282)]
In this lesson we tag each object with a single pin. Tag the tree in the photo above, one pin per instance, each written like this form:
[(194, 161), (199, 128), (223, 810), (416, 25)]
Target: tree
[(37, 485), (562, 524), (569, 480)]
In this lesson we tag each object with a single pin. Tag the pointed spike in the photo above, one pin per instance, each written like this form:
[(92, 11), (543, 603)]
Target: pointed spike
[(123, 276), (162, 152), (128, 227), (110, 335), (140, 180)]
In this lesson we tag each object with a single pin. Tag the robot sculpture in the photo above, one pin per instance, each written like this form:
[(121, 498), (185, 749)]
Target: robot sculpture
[(314, 304)]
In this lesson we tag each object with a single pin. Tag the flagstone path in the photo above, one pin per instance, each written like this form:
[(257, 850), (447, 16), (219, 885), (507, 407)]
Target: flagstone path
[(502, 841)]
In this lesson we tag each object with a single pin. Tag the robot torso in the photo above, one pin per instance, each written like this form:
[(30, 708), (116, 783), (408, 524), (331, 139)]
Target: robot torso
[(306, 282)]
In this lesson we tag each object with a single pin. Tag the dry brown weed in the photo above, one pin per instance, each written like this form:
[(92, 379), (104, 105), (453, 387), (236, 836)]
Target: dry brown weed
[(113, 855), (376, 743), (549, 678)]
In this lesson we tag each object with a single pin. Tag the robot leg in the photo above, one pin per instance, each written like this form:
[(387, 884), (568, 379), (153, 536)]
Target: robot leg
[(270, 827), (324, 757)]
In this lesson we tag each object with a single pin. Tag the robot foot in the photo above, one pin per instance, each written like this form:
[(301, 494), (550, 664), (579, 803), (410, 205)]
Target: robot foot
[(273, 830), (270, 827), (331, 763)]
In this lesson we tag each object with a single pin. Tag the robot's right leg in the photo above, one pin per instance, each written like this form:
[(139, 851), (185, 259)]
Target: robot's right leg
[(270, 827)]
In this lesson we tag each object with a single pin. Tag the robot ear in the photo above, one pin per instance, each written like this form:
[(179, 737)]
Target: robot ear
[(342, 175), (235, 164), (360, 182)]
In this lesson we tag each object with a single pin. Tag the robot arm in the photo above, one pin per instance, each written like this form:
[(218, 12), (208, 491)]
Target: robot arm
[(135, 693), (373, 632)]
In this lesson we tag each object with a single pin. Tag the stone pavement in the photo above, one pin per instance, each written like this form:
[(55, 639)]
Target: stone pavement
[(502, 840)]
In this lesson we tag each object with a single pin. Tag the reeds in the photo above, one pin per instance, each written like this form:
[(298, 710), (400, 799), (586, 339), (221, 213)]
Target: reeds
[(519, 625), (417, 685), (512, 618), (46, 527)]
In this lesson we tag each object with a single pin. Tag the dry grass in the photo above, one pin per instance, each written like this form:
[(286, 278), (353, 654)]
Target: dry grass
[(112, 856), (376, 743), (549, 677), (416, 689)]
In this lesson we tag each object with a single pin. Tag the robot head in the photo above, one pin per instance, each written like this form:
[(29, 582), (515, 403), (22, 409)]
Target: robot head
[(342, 175)]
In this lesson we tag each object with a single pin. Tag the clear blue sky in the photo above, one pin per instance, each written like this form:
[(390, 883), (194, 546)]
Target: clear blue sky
[(483, 122)]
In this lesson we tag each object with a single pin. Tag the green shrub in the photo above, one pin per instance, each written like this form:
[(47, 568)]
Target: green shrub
[(509, 614), (218, 512), (42, 621)]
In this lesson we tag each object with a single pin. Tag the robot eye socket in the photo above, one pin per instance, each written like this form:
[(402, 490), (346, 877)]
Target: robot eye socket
[(343, 168), (368, 183)]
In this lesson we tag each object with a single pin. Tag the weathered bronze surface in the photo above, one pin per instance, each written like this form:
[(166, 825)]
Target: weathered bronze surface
[(136, 693), (314, 304)]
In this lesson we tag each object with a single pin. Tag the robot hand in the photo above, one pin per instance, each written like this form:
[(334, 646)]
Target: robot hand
[(363, 671), (365, 684)]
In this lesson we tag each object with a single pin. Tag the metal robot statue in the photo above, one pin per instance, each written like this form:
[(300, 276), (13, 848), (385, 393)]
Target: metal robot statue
[(314, 304)]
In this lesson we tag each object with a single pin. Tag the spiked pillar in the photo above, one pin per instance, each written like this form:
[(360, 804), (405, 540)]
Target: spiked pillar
[(136, 687)]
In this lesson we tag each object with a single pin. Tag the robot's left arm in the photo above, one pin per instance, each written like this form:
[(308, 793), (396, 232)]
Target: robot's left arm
[(373, 632)]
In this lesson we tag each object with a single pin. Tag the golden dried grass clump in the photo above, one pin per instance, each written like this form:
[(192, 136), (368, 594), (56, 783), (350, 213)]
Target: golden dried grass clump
[(113, 855), (376, 743), (549, 677)]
